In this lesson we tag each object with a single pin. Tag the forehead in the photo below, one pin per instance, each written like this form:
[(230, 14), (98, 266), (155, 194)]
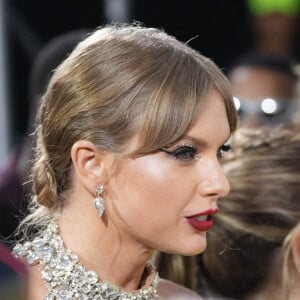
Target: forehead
[(212, 123), (210, 126), (258, 82)]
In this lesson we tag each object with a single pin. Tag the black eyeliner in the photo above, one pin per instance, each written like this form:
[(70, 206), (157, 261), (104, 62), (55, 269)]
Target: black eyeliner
[(181, 150)]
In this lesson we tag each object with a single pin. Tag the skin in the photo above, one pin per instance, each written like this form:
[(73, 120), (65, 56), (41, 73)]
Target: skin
[(256, 83), (275, 33), (147, 200), (172, 189)]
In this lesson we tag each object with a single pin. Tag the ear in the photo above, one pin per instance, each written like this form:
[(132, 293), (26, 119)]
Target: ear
[(88, 162), (295, 244)]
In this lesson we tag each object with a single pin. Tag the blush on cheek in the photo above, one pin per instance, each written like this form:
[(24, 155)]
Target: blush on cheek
[(147, 172), (162, 176), (151, 167)]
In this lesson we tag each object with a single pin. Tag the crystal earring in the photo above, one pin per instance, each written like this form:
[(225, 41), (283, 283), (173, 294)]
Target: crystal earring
[(99, 201)]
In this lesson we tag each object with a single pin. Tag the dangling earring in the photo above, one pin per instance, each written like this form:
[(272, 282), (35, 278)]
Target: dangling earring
[(99, 201)]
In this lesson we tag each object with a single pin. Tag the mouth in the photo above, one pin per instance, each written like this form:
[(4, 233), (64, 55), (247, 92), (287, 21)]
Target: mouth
[(202, 221)]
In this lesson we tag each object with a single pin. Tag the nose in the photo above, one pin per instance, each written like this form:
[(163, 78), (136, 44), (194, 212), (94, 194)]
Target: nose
[(213, 181)]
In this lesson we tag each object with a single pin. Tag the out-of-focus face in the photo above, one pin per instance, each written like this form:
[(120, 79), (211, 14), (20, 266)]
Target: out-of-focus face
[(165, 200), (265, 96), (275, 25)]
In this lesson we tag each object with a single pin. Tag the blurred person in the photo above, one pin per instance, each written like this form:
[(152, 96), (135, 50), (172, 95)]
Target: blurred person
[(264, 89), (275, 26), (129, 139), (14, 182), (13, 276), (253, 250)]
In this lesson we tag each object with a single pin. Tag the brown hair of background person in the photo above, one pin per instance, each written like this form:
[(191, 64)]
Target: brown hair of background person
[(254, 248)]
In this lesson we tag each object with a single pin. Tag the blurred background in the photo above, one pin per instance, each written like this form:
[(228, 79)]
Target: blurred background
[(220, 29)]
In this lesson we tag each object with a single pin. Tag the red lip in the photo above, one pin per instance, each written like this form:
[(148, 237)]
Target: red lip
[(204, 225)]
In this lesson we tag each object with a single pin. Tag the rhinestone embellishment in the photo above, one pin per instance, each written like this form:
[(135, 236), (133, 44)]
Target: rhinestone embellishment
[(66, 278), (99, 201)]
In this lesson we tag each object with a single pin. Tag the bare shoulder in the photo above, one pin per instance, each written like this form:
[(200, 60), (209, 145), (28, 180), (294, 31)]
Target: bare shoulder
[(170, 290)]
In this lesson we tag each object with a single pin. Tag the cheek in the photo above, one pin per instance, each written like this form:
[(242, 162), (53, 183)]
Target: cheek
[(149, 179), (154, 183)]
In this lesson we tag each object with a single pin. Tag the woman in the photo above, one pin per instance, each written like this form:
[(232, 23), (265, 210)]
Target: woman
[(254, 251), (130, 133)]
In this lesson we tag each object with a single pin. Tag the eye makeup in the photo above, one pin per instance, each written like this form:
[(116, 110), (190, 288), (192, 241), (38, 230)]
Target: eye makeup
[(182, 152), (224, 149), (188, 152)]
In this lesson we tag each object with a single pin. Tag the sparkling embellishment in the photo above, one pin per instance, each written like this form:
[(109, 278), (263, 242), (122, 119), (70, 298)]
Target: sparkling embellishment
[(99, 205), (66, 278), (99, 201)]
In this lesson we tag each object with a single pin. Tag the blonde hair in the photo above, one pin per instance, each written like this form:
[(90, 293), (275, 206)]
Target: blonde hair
[(121, 80), (260, 212), (288, 261)]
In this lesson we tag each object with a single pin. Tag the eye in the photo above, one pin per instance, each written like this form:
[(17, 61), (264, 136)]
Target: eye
[(184, 153), (223, 149)]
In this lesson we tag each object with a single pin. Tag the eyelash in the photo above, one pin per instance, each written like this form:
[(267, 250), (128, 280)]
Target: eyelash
[(188, 153), (223, 149), (183, 152)]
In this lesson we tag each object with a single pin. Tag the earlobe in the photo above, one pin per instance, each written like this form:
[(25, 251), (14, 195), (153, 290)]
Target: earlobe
[(295, 244), (87, 164)]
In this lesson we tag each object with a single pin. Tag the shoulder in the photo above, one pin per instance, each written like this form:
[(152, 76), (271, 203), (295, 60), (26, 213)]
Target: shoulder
[(170, 290)]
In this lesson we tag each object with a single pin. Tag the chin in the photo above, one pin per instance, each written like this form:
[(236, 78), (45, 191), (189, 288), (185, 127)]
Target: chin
[(192, 247), (195, 251), (197, 244)]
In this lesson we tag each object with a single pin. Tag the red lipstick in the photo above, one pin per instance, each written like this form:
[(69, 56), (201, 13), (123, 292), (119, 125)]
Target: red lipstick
[(202, 221)]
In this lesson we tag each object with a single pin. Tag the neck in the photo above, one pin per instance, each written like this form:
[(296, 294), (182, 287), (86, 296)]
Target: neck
[(103, 249)]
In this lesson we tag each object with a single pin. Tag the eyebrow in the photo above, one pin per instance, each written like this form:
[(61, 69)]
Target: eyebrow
[(201, 142), (196, 141)]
